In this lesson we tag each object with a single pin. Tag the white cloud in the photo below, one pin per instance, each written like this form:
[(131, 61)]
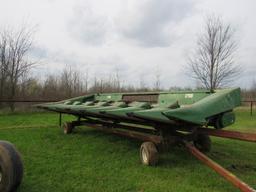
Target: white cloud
[(87, 26), (151, 22)]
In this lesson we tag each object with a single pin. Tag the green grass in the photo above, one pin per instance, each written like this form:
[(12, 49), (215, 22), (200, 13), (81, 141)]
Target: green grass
[(89, 160)]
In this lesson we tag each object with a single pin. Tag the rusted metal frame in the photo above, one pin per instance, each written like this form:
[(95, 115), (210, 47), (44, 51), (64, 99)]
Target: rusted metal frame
[(162, 130), (219, 169), (167, 138), (179, 136), (91, 121), (251, 137), (116, 119), (112, 117), (134, 128), (114, 125), (127, 119), (167, 134), (132, 134)]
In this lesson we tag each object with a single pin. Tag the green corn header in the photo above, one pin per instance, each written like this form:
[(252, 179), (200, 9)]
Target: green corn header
[(198, 107)]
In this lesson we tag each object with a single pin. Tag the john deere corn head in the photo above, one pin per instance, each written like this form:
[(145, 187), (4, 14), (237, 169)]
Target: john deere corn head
[(161, 120)]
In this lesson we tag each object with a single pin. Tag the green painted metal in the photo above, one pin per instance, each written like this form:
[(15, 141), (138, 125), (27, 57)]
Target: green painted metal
[(188, 107), (201, 111)]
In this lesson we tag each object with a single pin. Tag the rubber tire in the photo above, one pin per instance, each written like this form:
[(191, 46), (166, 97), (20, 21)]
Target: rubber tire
[(67, 127), (203, 143), (11, 167), (217, 123), (149, 149)]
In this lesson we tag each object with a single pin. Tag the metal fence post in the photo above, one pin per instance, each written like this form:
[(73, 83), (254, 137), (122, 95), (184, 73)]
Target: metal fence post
[(60, 119)]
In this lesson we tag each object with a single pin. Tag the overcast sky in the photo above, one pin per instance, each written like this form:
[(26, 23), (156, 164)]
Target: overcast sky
[(135, 37)]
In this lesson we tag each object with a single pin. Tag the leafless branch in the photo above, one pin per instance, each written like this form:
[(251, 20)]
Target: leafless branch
[(213, 61), (14, 47)]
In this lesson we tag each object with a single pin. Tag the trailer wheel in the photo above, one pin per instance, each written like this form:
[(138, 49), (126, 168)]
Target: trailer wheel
[(11, 167), (68, 127), (203, 143), (149, 154)]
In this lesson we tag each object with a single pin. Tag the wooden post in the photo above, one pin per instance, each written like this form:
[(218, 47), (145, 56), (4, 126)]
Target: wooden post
[(251, 107)]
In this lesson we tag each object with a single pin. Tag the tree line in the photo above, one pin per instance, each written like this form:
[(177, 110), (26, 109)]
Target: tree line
[(70, 82)]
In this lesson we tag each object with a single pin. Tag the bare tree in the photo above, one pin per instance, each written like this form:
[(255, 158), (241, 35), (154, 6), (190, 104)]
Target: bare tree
[(29, 87), (213, 61), (157, 83), (142, 84), (86, 80), (14, 47), (117, 81), (50, 87), (110, 84), (4, 61), (70, 82), (254, 85)]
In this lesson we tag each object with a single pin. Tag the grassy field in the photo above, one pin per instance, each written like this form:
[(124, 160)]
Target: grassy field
[(89, 160)]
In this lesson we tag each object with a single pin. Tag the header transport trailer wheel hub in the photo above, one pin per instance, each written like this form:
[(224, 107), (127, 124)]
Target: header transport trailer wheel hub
[(160, 119), (11, 167)]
